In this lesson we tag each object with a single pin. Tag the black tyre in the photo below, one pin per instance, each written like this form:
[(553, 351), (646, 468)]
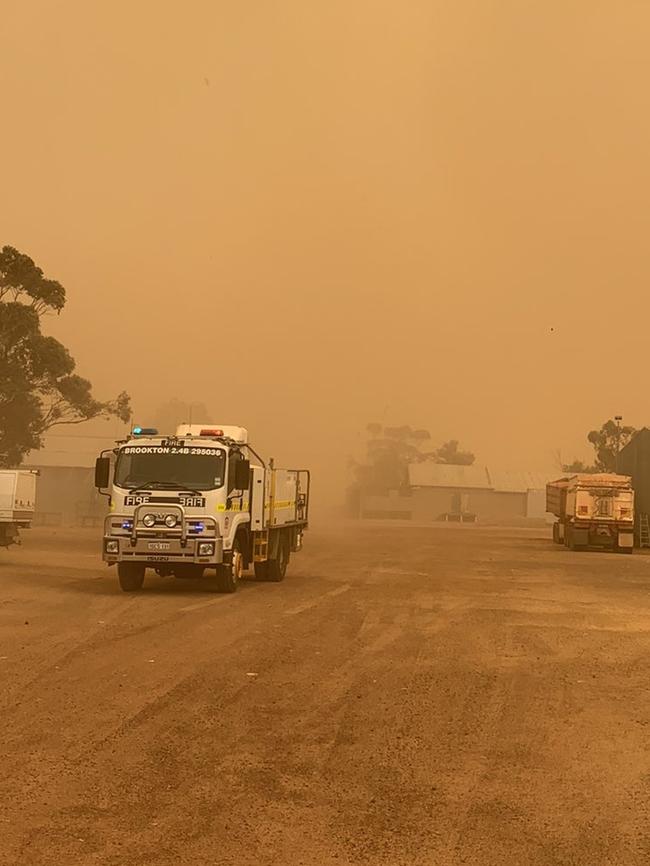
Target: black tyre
[(229, 575), (130, 576), (261, 570), (277, 568)]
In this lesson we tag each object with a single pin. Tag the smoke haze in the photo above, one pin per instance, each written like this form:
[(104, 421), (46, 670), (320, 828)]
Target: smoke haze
[(309, 216)]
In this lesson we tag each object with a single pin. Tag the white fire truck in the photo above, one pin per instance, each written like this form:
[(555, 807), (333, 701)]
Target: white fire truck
[(199, 500)]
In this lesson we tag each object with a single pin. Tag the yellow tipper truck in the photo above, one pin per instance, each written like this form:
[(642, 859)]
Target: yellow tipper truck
[(592, 511)]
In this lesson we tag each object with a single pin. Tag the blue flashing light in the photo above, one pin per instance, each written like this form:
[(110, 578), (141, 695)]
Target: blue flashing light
[(199, 527), (144, 431), (128, 524)]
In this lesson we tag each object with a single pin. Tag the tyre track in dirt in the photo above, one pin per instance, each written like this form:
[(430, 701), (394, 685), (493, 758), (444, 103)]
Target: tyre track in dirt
[(407, 696)]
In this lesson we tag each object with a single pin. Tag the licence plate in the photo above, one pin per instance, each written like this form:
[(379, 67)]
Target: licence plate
[(159, 545)]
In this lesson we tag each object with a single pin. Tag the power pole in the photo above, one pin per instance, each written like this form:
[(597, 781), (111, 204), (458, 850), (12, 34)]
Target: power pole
[(618, 419)]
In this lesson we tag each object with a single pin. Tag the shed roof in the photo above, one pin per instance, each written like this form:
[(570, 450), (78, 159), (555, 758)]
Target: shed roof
[(509, 481), (478, 477), (445, 475), (70, 451)]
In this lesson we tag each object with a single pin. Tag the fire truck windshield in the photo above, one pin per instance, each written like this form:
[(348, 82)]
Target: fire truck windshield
[(193, 468)]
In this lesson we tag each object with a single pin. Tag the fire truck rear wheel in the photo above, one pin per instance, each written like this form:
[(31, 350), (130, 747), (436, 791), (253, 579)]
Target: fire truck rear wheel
[(277, 568), (130, 576)]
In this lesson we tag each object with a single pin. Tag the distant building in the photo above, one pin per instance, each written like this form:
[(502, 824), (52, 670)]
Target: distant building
[(438, 491), (65, 491), (634, 460)]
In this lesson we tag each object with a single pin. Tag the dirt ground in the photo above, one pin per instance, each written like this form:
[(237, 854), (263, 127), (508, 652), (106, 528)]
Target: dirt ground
[(439, 696)]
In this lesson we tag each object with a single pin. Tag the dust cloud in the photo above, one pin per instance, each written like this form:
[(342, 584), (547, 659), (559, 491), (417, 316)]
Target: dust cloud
[(309, 216)]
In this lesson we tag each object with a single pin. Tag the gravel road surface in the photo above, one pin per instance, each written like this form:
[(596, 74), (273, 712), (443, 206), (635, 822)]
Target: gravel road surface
[(406, 697)]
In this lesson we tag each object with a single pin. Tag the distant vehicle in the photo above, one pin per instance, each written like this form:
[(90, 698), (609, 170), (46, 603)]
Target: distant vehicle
[(199, 499), (17, 503), (593, 511)]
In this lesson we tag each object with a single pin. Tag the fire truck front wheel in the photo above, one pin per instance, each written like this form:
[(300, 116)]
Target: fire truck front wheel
[(130, 576), (229, 574)]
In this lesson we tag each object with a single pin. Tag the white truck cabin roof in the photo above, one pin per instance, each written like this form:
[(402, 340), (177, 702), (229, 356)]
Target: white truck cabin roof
[(237, 434)]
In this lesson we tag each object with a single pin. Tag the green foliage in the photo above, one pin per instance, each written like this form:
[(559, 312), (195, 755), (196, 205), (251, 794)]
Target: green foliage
[(21, 279), (38, 385), (390, 451), (578, 467), (607, 442), (449, 453)]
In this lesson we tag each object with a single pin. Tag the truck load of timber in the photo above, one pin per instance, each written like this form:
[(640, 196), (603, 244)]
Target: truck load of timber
[(595, 510), (17, 503), (200, 500)]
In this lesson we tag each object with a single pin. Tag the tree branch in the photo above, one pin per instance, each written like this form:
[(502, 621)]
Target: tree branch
[(67, 421)]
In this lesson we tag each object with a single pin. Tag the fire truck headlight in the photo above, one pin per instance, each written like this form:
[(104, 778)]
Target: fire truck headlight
[(171, 520), (149, 520), (206, 548), (112, 545)]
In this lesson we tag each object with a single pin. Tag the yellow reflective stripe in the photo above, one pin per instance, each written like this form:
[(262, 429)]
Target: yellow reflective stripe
[(288, 503)]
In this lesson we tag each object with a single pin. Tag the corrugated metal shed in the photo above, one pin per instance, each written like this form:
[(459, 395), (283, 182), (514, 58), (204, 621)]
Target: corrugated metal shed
[(478, 478), (634, 460), (536, 506), (507, 481), (444, 475), (70, 451)]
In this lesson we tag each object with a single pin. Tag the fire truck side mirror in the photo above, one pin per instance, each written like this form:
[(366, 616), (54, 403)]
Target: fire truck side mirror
[(242, 475), (102, 472)]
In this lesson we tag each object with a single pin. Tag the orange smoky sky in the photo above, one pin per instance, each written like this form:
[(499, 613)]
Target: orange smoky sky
[(312, 215)]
